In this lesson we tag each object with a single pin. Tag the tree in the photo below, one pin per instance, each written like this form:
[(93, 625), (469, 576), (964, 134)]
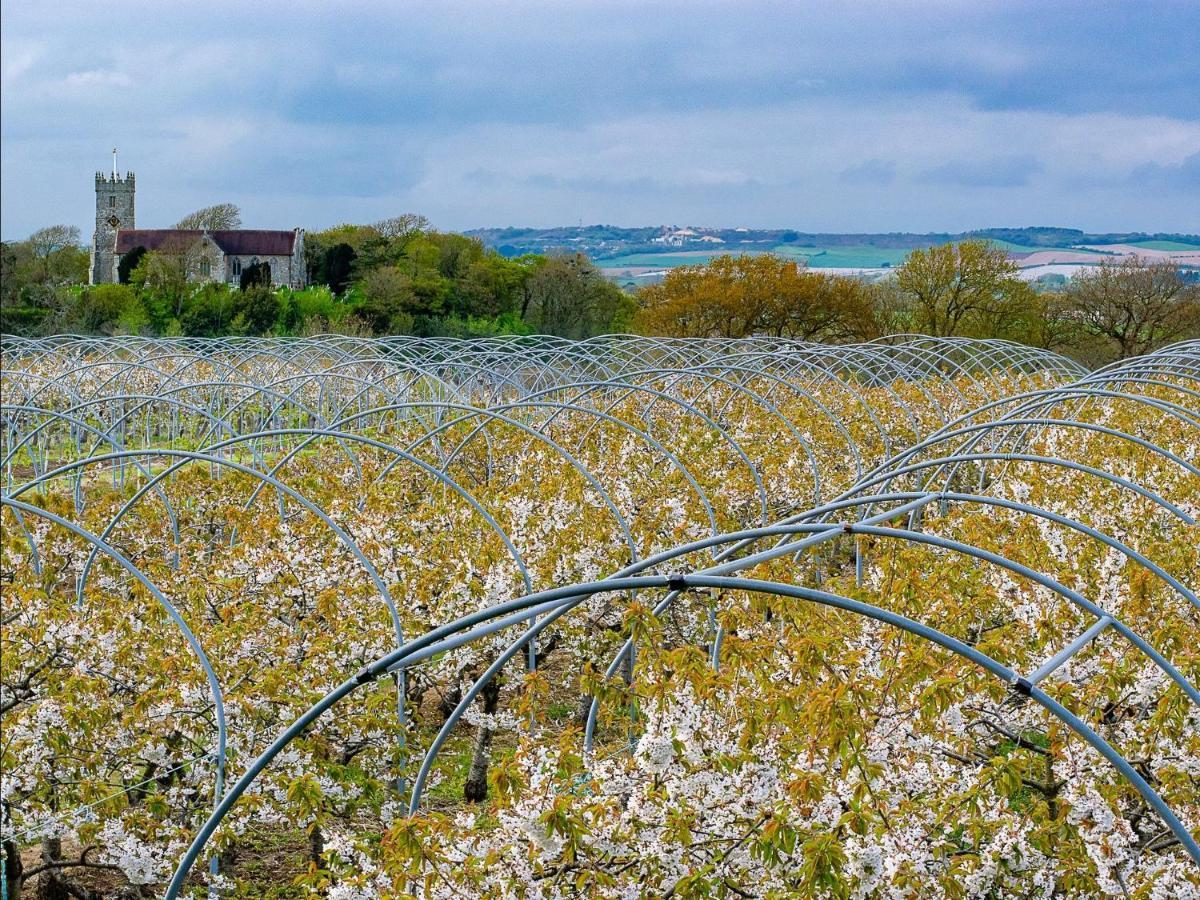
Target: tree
[(429, 290), (255, 310), (53, 238), (738, 296), (958, 289), (366, 243), (456, 252), (220, 217), (492, 285), (387, 300), (161, 276), (102, 306), (36, 279), (1134, 305), (209, 312), (569, 297), (256, 275), (402, 227), (49, 257), (330, 265), (10, 285), (128, 262)]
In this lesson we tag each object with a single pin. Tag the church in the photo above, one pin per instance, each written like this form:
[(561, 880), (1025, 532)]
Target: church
[(209, 256)]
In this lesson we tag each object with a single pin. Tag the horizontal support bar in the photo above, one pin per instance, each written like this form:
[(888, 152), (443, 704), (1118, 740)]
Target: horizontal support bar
[(1071, 649)]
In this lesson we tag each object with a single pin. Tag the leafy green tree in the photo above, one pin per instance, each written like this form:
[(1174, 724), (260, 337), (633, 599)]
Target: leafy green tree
[(50, 256), (388, 299), (161, 276), (493, 285), (337, 267), (258, 307), (422, 262), (330, 254), (456, 252), (134, 318), (36, 279), (960, 289), (209, 312), (569, 297), (100, 308), (128, 262), (256, 275), (16, 316)]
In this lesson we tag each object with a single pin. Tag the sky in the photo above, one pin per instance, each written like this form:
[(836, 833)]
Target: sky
[(943, 115)]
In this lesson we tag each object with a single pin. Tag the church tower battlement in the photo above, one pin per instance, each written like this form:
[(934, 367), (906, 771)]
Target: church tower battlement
[(114, 211)]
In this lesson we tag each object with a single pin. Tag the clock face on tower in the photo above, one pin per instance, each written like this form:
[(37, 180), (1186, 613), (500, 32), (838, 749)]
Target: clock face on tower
[(114, 221)]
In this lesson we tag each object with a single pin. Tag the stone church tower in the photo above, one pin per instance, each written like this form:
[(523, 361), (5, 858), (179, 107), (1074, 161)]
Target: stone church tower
[(114, 210)]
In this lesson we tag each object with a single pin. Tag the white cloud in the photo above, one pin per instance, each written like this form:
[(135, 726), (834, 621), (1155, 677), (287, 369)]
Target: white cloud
[(545, 113), (87, 82)]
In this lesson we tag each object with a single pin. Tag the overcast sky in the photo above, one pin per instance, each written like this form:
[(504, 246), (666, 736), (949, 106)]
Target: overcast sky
[(830, 116)]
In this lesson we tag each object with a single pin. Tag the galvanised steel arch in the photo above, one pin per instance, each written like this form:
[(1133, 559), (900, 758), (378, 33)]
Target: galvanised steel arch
[(912, 360), (550, 605), (120, 559)]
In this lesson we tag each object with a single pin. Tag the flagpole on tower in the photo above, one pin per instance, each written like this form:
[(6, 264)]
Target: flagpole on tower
[(114, 163)]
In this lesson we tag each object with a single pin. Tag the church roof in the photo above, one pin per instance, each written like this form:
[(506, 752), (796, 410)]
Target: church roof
[(241, 242)]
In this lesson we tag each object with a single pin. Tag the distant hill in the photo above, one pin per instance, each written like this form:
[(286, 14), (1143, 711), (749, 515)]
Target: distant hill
[(608, 243)]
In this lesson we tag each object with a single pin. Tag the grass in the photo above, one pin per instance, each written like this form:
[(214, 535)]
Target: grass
[(268, 862), (559, 711), (1166, 245), (862, 256), (1022, 248), (858, 257)]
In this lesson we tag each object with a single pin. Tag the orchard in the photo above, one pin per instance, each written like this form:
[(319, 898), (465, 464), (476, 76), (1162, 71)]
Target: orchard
[(529, 617)]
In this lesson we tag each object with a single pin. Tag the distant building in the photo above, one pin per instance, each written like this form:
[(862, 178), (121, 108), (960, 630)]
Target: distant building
[(220, 255), (114, 211), (680, 237), (209, 256)]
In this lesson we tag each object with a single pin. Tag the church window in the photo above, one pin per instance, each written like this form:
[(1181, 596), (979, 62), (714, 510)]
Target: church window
[(237, 266), (112, 201), (206, 267)]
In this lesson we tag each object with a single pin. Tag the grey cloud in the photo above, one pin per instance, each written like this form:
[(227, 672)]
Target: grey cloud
[(1182, 177), (998, 171), (299, 108), (870, 172)]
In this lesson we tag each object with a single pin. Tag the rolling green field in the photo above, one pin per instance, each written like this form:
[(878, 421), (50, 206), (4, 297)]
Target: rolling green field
[(665, 260), (862, 256), (1166, 245), (1029, 248)]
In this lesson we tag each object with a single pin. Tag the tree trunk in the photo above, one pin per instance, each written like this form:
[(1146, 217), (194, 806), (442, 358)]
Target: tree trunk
[(50, 886), (316, 845), (13, 870), (475, 789)]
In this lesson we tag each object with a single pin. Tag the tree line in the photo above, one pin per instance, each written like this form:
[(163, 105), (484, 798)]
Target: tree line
[(1119, 308), (396, 276), (401, 276)]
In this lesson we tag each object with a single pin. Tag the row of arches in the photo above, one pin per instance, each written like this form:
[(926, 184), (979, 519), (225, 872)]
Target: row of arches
[(975, 412)]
